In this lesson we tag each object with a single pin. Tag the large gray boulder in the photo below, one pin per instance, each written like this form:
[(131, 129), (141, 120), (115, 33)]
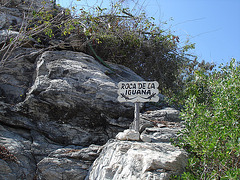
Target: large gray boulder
[(27, 155), (137, 161), (68, 163), (67, 96), (73, 98)]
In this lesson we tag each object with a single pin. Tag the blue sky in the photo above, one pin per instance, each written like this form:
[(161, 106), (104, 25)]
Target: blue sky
[(214, 25)]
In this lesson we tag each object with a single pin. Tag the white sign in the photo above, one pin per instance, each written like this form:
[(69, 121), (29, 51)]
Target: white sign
[(138, 91)]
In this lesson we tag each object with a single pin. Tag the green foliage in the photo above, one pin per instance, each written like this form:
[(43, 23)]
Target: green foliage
[(212, 116), (128, 37), (117, 34), (192, 82)]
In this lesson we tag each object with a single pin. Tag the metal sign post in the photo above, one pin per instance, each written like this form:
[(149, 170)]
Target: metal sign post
[(138, 92), (136, 116)]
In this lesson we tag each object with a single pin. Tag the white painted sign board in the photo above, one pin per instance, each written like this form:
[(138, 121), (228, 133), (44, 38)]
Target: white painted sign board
[(138, 91)]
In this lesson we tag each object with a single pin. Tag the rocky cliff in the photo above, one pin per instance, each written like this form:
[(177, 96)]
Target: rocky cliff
[(59, 116)]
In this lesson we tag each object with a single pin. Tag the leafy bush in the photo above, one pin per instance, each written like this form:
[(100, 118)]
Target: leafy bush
[(115, 34), (212, 116), (131, 38), (124, 36)]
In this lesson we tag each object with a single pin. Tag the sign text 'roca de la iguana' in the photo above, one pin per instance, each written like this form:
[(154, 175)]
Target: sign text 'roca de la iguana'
[(138, 91)]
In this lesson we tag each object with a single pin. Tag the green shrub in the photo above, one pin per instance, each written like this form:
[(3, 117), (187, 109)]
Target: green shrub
[(115, 34), (129, 37), (212, 116)]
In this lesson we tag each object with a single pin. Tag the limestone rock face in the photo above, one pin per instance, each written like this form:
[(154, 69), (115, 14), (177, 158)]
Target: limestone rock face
[(137, 161), (73, 98), (62, 98), (163, 134), (68, 163), (16, 159), (12, 11), (68, 96), (9, 17), (16, 75), (26, 154)]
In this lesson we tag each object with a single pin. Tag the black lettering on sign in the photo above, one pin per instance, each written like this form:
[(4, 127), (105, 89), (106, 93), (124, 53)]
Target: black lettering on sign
[(151, 86), (129, 86), (144, 92), (144, 85), (139, 85), (149, 92), (138, 92), (133, 86)]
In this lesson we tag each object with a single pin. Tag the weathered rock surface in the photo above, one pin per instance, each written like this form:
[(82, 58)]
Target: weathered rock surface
[(26, 154), (166, 114), (41, 146), (16, 75), (68, 163), (18, 162), (157, 117), (137, 160), (70, 97), (161, 125), (149, 157), (9, 17), (12, 11), (74, 99), (164, 134)]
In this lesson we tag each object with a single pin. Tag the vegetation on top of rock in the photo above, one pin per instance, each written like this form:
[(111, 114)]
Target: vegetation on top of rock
[(115, 34)]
